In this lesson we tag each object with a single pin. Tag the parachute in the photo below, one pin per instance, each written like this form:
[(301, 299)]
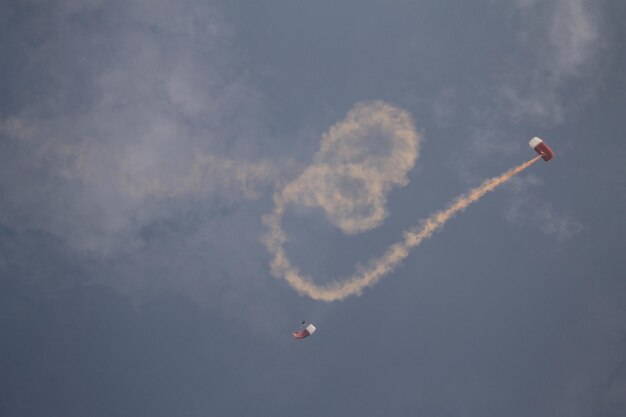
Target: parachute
[(306, 332), (541, 148)]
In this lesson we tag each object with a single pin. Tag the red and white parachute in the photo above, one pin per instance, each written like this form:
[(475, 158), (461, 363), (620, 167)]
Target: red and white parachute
[(306, 332), (541, 148)]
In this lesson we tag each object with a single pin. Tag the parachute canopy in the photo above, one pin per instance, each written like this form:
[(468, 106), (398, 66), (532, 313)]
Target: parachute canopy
[(541, 148), (306, 332)]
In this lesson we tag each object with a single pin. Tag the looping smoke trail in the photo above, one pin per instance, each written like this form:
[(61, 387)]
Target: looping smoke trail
[(379, 267)]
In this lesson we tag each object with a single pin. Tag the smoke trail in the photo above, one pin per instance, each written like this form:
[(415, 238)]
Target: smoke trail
[(360, 160), (378, 268)]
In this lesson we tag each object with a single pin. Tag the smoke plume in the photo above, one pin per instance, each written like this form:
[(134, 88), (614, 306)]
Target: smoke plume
[(321, 185), (360, 159)]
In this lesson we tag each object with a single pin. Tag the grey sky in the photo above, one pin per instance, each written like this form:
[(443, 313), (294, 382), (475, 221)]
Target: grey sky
[(141, 142)]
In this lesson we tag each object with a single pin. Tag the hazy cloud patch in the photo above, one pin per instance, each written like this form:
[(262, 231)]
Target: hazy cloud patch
[(563, 39), (146, 105), (527, 209)]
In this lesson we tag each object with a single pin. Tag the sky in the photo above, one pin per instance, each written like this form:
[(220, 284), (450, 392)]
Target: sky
[(146, 146)]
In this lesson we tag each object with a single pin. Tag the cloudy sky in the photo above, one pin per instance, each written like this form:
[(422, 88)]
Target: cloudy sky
[(144, 144)]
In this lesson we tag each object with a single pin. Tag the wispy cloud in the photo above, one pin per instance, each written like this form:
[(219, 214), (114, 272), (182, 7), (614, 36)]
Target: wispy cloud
[(562, 39), (530, 210), (574, 34), (556, 43), (537, 86), (115, 118)]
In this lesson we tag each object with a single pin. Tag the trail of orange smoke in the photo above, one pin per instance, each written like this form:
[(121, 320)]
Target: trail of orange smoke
[(378, 268)]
